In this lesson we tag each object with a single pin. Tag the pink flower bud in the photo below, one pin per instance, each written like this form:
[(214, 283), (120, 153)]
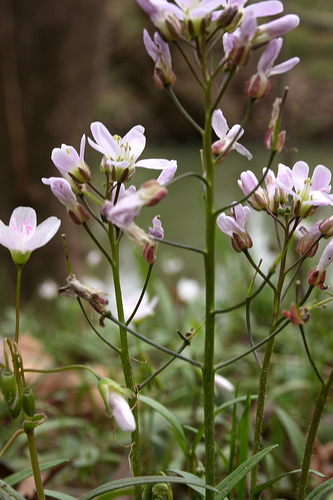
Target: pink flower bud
[(326, 227)]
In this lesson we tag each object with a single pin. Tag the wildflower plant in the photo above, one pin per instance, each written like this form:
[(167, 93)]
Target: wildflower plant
[(198, 28)]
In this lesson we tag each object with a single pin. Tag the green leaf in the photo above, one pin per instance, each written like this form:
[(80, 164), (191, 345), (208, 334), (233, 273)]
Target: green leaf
[(293, 432), (177, 428), (244, 426), (19, 476), (201, 430), (58, 495), (132, 481), (264, 486), (228, 484), (7, 493), (321, 490), (188, 475)]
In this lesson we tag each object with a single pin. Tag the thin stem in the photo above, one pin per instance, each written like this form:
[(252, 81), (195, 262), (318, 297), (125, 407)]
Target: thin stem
[(308, 353), (92, 326), (63, 369), (11, 440), (259, 271), (150, 268), (109, 316), (125, 359), (35, 465), (180, 245), (182, 110), (161, 368), (319, 408), (18, 292), (97, 243)]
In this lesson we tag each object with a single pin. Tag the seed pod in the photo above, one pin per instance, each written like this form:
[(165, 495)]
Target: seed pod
[(9, 386), (28, 401), (15, 408)]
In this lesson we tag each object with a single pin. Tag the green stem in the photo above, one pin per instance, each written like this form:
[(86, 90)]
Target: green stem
[(264, 373), (18, 292), (125, 360), (209, 259), (35, 465), (322, 398)]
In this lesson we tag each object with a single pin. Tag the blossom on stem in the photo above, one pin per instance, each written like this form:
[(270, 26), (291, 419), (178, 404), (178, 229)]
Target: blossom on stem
[(227, 137), (116, 405), (276, 28), (274, 139), (23, 236), (237, 45), (197, 15), (122, 153), (223, 384), (309, 239), (317, 275), (249, 184), (159, 51), (157, 231), (308, 194), (146, 308), (258, 86), (277, 196), (71, 165), (236, 7), (63, 191), (165, 16), (234, 226)]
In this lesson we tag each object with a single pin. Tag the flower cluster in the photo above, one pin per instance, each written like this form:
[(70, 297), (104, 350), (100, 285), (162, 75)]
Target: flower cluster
[(119, 205)]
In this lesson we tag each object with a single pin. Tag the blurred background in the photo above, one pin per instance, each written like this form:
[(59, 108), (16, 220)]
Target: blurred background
[(66, 63)]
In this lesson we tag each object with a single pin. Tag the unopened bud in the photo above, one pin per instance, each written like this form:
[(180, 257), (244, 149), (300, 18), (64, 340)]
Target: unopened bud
[(15, 409), (241, 242), (28, 401), (9, 386), (229, 18), (326, 227), (317, 278), (258, 86)]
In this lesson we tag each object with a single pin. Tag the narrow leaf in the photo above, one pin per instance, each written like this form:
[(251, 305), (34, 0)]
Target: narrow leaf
[(244, 426), (58, 495), (228, 484), (268, 484), (132, 481), (19, 476), (293, 432), (321, 490), (188, 475), (177, 428), (7, 493)]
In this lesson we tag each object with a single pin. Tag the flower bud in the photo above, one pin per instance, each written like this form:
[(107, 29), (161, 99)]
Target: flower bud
[(229, 18), (241, 242), (9, 387), (317, 278), (258, 86), (297, 315), (28, 401), (326, 227)]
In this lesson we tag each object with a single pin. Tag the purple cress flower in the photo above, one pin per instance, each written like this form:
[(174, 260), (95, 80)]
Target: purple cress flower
[(227, 137), (259, 84), (121, 153), (308, 194), (62, 189), (234, 226), (22, 236), (157, 231), (159, 51), (71, 165), (317, 275), (249, 184), (165, 16)]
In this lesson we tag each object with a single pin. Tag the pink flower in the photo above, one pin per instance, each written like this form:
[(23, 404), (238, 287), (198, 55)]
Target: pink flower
[(157, 231), (159, 51), (165, 17), (63, 191), (71, 164), (309, 193), (122, 153), (308, 240), (226, 136), (23, 236), (273, 29), (234, 226), (259, 85), (121, 412), (317, 275), (249, 184)]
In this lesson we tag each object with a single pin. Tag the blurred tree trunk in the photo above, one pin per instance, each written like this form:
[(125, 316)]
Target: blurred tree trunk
[(52, 56)]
